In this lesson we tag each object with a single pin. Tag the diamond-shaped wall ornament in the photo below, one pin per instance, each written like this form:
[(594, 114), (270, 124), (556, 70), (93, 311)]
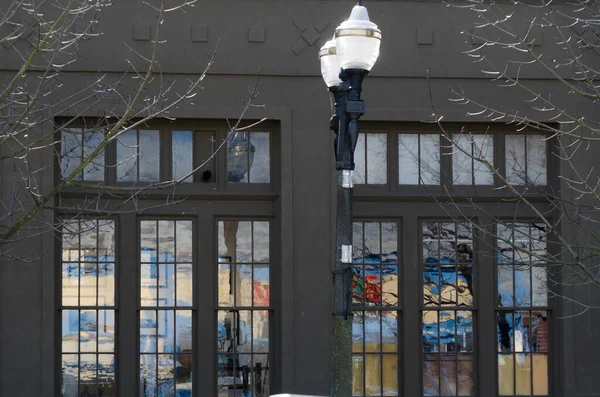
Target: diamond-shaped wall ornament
[(310, 34), (322, 25)]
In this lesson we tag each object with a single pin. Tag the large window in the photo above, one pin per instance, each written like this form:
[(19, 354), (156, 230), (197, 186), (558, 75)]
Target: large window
[(522, 310), (166, 300), (244, 301), (88, 308), (375, 328), (447, 318)]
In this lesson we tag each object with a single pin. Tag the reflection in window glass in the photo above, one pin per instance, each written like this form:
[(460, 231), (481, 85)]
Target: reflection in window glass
[(243, 333), (77, 146), (249, 157), (182, 154), (166, 287), (370, 158), (419, 159), (526, 159), (468, 154), (88, 334), (375, 336), (138, 156), (522, 318), (447, 324)]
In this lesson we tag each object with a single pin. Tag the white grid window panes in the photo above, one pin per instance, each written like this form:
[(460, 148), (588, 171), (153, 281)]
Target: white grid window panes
[(526, 159), (472, 157), (419, 159)]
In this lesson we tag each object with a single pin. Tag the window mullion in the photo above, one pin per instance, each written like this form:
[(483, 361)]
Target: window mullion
[(412, 295), (486, 342), (128, 315)]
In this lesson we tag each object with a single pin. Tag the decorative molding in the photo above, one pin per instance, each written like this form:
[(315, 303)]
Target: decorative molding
[(256, 34), (424, 37), (199, 33), (141, 32)]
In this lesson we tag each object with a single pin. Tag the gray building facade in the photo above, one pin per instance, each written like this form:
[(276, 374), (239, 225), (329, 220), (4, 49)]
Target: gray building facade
[(226, 291)]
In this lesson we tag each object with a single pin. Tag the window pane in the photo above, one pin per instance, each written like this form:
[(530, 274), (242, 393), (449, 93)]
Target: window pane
[(360, 162), (376, 158), (536, 159), (260, 169), (127, 148), (468, 156), (149, 156), (515, 159), (483, 149), (71, 152), (430, 159), (94, 171), (462, 159), (70, 375), (182, 154), (408, 159)]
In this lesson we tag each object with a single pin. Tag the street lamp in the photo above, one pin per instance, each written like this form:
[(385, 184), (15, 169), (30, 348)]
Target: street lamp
[(345, 61)]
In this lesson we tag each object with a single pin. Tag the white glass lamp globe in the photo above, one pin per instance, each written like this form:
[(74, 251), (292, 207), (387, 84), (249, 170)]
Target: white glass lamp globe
[(357, 40), (330, 64)]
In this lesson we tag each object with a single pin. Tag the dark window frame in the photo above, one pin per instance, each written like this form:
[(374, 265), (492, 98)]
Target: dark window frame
[(218, 182), (446, 188)]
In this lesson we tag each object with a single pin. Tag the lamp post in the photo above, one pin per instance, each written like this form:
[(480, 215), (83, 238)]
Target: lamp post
[(345, 61)]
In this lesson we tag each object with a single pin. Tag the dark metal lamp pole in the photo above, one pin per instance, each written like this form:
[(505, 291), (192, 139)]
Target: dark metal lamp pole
[(354, 51)]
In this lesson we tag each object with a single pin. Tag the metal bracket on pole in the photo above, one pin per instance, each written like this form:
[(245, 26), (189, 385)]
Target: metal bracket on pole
[(347, 179), (346, 254)]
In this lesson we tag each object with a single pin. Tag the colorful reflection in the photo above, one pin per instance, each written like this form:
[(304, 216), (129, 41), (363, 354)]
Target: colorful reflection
[(88, 335), (375, 336)]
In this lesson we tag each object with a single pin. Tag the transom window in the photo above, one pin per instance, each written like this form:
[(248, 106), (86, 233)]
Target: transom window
[(137, 154), (419, 159), (472, 157), (370, 159), (526, 159), (203, 153), (402, 161), (78, 144)]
